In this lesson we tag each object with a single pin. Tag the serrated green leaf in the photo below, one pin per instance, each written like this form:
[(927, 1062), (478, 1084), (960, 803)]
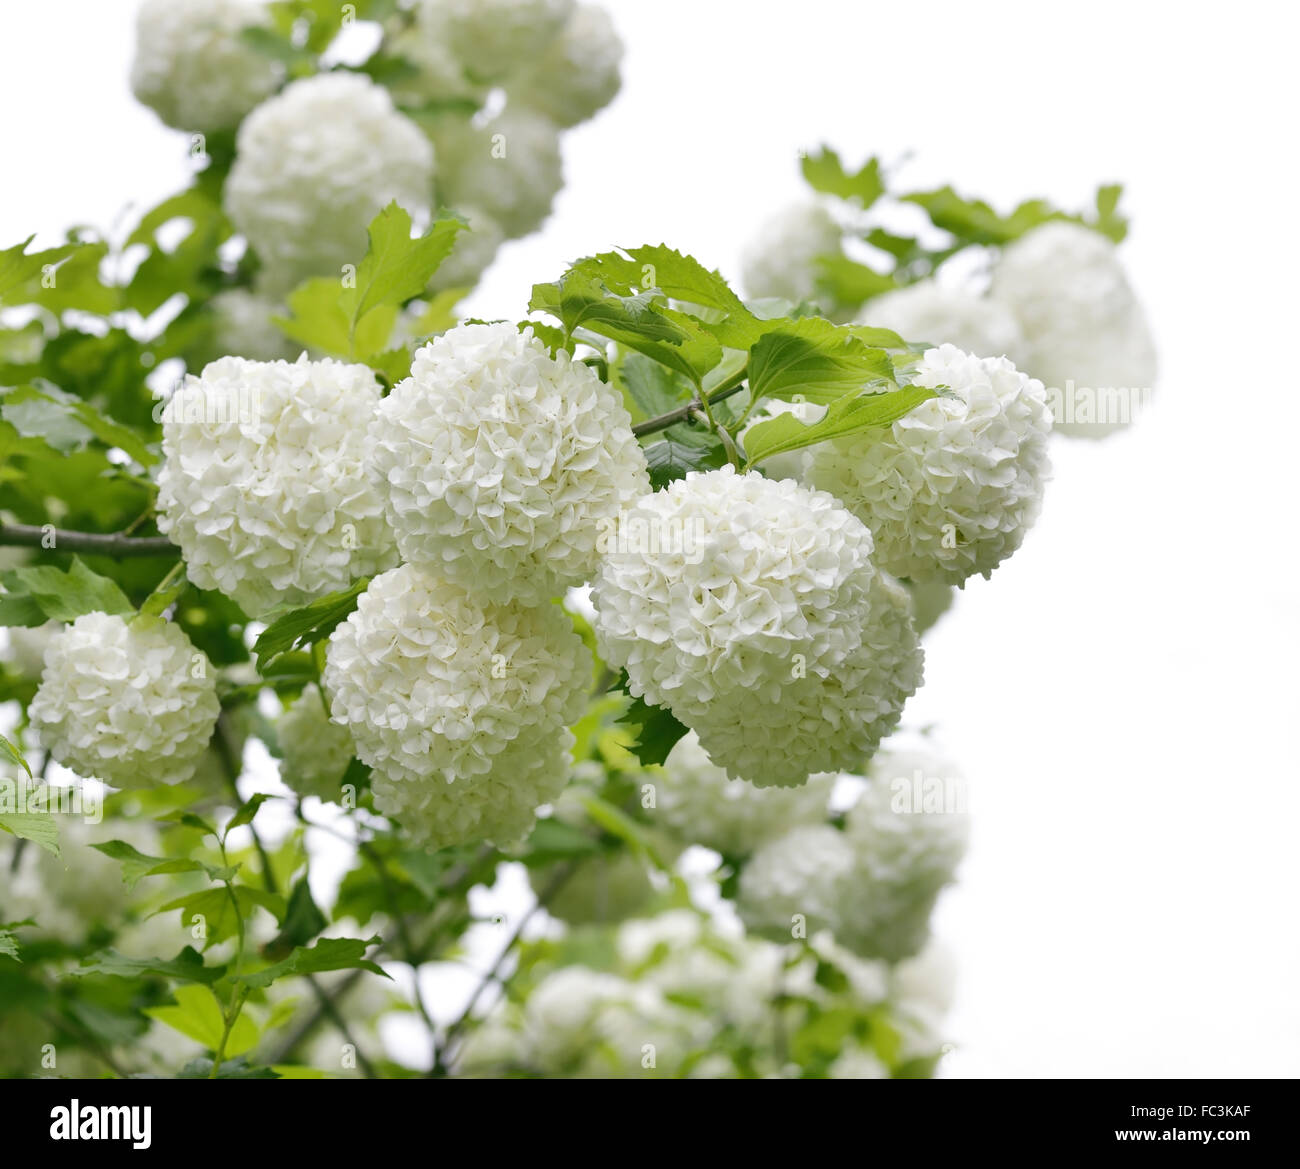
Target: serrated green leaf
[(669, 459), (246, 811), (327, 954), (11, 752), (18, 267), (303, 920), (197, 1013), (136, 865), (65, 596), (650, 389), (187, 966), (813, 360), (39, 827), (308, 625), (218, 914), (658, 731), (825, 172), (9, 946)]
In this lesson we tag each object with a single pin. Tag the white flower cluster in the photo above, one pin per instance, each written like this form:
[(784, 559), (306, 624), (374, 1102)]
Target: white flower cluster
[(265, 485), (510, 168), (700, 805), (874, 884), (460, 707), (493, 37), (502, 468), (578, 73), (193, 69), (1081, 320), (315, 750), (782, 260), (314, 165), (933, 312), (765, 627), (130, 703), (951, 489)]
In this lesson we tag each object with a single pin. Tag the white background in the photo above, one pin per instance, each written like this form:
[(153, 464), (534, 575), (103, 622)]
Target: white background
[(1122, 695)]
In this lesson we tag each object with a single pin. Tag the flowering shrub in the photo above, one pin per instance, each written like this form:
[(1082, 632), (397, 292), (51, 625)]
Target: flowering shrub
[(626, 591)]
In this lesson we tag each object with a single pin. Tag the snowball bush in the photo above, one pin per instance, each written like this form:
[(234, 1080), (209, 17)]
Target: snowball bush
[(951, 489), (795, 884), (1081, 320), (315, 750), (313, 166), (503, 468), (193, 69), (578, 73), (130, 703), (460, 706), (759, 620), (492, 37), (265, 484)]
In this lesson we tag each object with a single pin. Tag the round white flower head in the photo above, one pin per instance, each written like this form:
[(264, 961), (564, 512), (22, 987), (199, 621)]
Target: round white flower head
[(130, 703), (909, 832), (605, 888), (701, 805), (953, 486), (192, 67), (242, 327), (265, 484), (316, 751), (930, 311), (314, 165), (755, 615), (1082, 322), (494, 38), (781, 260), (423, 42), (460, 707), (473, 251), (511, 168), (578, 74), (795, 885), (504, 469)]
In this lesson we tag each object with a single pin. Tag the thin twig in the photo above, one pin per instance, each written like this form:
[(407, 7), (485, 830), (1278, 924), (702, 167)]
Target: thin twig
[(118, 545), (725, 389)]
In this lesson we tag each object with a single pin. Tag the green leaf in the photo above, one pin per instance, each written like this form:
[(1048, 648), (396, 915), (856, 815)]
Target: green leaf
[(973, 221), (1110, 222), (303, 920), (9, 946), (319, 321), (197, 1013), (39, 827), (247, 811), (658, 731), (18, 267), (65, 596), (813, 360), (327, 954), (670, 459), (847, 415), (849, 283), (136, 865), (10, 752), (187, 966), (218, 914), (825, 172), (74, 284), (650, 389), (308, 625)]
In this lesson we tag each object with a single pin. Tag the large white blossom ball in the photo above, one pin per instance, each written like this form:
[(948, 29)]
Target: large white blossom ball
[(754, 613), (132, 703), (578, 74), (795, 885), (1086, 334), (781, 260), (700, 804), (935, 313), (316, 751), (511, 168), (494, 38), (192, 67), (502, 468), (951, 488), (265, 485), (460, 706), (314, 165)]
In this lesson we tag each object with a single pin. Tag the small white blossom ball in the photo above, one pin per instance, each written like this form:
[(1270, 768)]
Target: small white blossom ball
[(192, 67), (314, 165), (700, 804), (265, 484), (795, 885), (908, 846), (503, 469), (1083, 325), (494, 38), (130, 703), (951, 488), (460, 707), (423, 43), (316, 752), (781, 260), (756, 616), (932, 312), (511, 168), (578, 74)]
